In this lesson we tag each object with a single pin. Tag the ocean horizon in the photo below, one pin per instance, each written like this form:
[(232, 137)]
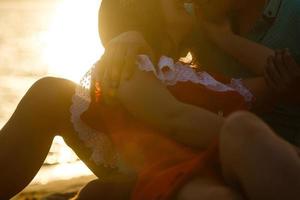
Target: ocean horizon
[(35, 41)]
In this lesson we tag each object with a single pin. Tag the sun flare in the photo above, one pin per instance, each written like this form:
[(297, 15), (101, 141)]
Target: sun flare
[(72, 42)]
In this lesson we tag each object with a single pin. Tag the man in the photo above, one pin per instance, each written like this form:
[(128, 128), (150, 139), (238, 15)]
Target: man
[(259, 27)]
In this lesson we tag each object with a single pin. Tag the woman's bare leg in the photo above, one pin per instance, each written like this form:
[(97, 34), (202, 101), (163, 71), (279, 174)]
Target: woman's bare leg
[(253, 158), (26, 138)]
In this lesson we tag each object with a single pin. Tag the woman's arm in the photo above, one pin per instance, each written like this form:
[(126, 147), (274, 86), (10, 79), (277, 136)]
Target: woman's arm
[(148, 99)]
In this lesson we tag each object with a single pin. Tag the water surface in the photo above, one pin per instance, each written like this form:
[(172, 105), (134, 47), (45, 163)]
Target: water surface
[(41, 38)]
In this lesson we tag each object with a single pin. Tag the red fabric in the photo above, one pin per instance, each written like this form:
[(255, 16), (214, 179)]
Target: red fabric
[(162, 164), (162, 181), (199, 95)]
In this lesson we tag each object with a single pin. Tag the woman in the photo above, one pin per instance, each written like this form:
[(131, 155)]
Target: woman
[(258, 28), (113, 27), (44, 111)]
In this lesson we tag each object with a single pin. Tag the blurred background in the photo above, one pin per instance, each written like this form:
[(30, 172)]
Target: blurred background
[(41, 38)]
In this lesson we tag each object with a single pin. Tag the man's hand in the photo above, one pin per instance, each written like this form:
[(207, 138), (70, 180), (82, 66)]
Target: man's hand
[(282, 74), (119, 60)]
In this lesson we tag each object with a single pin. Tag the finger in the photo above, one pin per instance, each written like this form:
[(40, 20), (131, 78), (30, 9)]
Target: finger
[(99, 69), (130, 63), (283, 70), (92, 86), (273, 70), (278, 60), (281, 73), (269, 77), (274, 74), (94, 78), (105, 63), (105, 87), (146, 49), (293, 67), (271, 85), (117, 64), (104, 79), (110, 62)]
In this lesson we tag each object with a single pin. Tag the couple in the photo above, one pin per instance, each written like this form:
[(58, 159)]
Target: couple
[(163, 135)]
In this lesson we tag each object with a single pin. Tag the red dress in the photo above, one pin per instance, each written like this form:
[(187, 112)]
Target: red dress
[(162, 164)]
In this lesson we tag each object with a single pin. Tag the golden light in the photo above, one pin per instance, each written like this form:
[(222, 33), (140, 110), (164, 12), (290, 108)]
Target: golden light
[(72, 42), (72, 47)]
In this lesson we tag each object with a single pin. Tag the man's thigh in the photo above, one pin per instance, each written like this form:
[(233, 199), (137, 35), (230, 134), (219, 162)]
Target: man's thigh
[(257, 160), (207, 188)]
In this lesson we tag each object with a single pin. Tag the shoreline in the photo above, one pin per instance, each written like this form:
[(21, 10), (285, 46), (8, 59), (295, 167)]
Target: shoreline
[(42, 191)]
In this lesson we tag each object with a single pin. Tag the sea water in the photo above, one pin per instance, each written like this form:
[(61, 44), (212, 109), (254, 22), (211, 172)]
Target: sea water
[(27, 53)]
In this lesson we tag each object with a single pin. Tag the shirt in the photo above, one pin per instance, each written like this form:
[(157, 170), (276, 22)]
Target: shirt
[(279, 28)]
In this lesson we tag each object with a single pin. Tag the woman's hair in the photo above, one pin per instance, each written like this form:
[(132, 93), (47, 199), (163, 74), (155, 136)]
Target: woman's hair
[(145, 16)]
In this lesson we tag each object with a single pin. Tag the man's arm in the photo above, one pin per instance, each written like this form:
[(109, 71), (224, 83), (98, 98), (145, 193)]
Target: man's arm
[(249, 54)]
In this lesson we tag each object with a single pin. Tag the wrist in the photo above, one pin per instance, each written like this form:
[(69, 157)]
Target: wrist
[(223, 39)]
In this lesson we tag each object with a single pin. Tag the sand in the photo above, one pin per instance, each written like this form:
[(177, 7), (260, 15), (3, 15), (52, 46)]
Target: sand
[(57, 190)]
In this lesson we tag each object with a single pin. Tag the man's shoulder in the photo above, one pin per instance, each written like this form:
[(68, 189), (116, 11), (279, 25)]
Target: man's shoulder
[(292, 7)]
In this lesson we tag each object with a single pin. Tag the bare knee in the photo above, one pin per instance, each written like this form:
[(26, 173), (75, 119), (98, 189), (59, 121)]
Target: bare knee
[(240, 134), (244, 126), (207, 191), (48, 99), (50, 88)]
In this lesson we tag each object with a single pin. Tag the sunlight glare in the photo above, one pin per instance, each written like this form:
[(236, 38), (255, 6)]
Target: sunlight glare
[(72, 42)]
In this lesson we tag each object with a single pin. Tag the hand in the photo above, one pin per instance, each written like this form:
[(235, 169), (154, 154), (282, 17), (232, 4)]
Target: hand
[(120, 54), (297, 150), (119, 60), (282, 74)]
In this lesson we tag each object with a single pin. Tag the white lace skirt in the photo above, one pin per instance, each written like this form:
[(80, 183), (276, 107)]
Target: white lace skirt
[(168, 72)]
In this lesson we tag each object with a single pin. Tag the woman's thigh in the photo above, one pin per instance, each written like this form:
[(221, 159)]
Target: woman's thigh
[(61, 93)]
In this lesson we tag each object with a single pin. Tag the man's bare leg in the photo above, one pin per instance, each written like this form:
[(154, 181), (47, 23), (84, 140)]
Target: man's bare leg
[(259, 162), (206, 188)]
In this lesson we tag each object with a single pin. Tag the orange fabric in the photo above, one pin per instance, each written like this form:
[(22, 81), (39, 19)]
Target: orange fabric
[(162, 164), (161, 182)]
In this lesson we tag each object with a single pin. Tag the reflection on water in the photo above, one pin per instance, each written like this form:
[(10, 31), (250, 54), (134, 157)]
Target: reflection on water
[(42, 38)]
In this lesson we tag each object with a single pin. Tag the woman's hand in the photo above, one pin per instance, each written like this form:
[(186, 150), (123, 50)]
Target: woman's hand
[(282, 75), (119, 60)]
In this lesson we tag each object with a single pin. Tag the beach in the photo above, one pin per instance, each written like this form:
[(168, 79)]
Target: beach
[(36, 41), (56, 190)]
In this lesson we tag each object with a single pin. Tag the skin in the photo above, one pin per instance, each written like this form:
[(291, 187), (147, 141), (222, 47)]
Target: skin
[(215, 25), (48, 102), (205, 187), (254, 160), (215, 19), (45, 99), (40, 107), (29, 130), (282, 75)]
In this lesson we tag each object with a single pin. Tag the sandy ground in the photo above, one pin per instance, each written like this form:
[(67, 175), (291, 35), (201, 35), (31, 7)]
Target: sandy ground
[(57, 190)]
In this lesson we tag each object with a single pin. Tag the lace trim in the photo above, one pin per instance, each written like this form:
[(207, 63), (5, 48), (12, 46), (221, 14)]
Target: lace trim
[(168, 72), (238, 85), (171, 73), (102, 149)]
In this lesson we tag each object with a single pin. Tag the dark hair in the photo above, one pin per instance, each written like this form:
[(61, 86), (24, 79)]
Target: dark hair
[(145, 16)]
